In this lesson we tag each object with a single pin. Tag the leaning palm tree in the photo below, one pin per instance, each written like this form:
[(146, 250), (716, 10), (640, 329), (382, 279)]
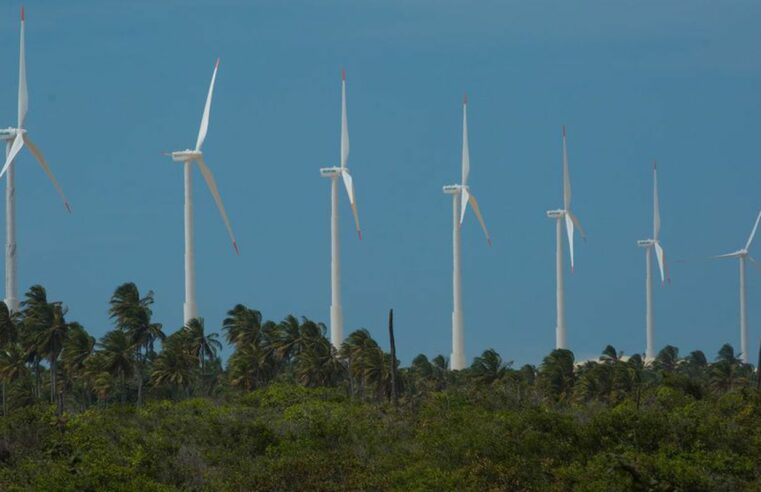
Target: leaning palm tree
[(118, 357), (132, 314), (242, 325), (488, 367)]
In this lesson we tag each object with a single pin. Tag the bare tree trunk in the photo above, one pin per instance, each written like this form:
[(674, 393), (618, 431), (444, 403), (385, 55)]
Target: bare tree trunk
[(394, 395), (5, 402)]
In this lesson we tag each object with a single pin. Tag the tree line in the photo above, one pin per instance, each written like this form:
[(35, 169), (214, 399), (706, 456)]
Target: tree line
[(45, 357)]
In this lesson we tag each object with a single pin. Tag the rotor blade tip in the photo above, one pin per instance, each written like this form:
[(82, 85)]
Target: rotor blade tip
[(488, 240), (563, 130), (655, 165), (359, 233), (216, 65), (68, 207), (22, 13), (235, 246), (343, 74), (465, 99)]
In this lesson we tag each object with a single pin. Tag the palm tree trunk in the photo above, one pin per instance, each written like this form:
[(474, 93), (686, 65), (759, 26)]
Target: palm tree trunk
[(52, 379), (5, 402), (140, 363)]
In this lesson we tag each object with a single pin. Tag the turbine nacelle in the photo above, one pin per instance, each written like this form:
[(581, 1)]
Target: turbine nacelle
[(646, 243), (556, 214), (186, 155), (331, 172), (454, 189), (10, 133)]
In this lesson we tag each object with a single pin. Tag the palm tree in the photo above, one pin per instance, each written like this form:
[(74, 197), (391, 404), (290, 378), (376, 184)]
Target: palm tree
[(118, 357), (77, 348), (176, 364), (47, 322), (201, 345), (242, 326), (667, 359), (610, 356), (317, 363), (8, 337), (36, 317), (488, 367), (556, 374), (12, 368), (132, 314)]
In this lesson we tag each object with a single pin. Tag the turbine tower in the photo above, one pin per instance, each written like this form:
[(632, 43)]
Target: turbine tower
[(649, 245), (336, 312), (562, 216), (742, 255), (187, 157), (461, 196), (15, 138)]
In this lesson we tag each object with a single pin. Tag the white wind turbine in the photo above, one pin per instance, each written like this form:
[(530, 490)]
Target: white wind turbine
[(742, 254), (650, 245), (461, 196), (15, 139), (336, 313), (562, 216), (187, 156)]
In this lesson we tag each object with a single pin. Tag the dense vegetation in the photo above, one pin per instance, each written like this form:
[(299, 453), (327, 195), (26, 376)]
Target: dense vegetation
[(141, 410)]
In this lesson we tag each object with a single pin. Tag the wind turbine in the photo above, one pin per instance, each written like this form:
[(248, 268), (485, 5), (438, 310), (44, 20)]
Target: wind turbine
[(461, 196), (742, 254), (187, 157), (650, 245), (562, 216), (336, 313), (15, 139)]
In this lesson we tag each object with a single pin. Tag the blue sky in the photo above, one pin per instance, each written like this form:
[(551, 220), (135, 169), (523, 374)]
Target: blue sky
[(114, 84)]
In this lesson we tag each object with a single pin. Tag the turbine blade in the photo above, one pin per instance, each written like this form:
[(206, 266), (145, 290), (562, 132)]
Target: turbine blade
[(464, 199), (465, 148), (18, 142), (477, 211), (344, 124), (217, 198), (733, 254), (656, 204), (566, 176), (349, 185), (206, 110), (753, 232), (577, 223), (661, 260), (41, 159), (23, 95), (754, 263), (569, 231)]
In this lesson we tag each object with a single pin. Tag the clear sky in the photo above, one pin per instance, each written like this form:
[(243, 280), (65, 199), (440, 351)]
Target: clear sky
[(114, 84)]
